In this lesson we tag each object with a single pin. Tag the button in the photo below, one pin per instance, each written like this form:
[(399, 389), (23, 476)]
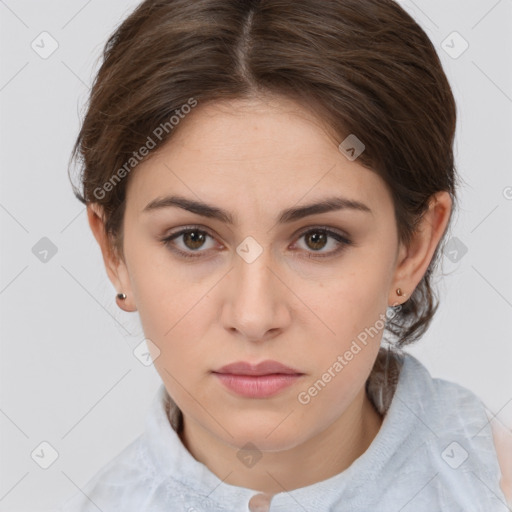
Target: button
[(260, 503)]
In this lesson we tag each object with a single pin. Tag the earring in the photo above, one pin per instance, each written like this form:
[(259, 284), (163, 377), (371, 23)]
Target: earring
[(400, 292), (121, 296)]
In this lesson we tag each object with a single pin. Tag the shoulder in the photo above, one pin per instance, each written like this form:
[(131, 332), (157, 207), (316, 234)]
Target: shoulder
[(470, 408), (457, 408), (123, 475), (503, 443)]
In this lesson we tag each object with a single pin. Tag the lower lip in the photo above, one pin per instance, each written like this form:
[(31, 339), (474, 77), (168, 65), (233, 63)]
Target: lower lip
[(258, 386)]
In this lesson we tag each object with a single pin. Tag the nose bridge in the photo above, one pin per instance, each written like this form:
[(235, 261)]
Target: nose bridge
[(256, 302), (254, 275)]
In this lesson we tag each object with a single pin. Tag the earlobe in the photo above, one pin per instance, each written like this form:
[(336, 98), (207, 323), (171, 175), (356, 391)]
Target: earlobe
[(121, 300)]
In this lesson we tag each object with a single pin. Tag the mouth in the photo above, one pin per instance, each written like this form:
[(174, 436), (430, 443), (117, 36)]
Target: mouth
[(262, 380)]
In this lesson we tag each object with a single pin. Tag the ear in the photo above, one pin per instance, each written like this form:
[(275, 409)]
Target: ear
[(114, 264), (414, 259)]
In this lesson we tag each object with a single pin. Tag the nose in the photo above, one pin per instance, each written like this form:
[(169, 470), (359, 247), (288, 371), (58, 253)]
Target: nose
[(256, 307)]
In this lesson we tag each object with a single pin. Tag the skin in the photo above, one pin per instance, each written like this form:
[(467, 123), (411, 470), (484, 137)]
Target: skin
[(502, 435), (256, 158)]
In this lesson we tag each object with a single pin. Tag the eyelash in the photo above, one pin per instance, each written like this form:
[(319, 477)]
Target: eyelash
[(342, 240)]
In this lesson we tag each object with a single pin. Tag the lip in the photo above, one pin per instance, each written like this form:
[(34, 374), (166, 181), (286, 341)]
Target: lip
[(267, 367), (262, 380)]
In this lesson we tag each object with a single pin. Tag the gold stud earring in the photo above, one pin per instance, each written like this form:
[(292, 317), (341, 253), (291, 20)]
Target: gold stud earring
[(121, 296), (400, 293)]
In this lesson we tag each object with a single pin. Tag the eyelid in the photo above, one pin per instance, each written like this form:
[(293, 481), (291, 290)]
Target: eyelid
[(300, 232), (327, 229), (169, 237)]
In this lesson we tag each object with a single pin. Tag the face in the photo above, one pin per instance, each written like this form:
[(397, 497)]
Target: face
[(303, 290)]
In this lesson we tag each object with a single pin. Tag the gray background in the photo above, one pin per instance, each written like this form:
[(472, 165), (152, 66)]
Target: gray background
[(68, 373)]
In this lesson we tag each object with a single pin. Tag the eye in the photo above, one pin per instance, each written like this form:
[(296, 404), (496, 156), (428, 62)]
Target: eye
[(319, 238), (192, 239)]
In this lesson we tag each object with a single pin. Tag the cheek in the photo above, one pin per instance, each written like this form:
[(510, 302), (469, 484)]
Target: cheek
[(167, 292), (343, 360), (355, 301), (176, 315)]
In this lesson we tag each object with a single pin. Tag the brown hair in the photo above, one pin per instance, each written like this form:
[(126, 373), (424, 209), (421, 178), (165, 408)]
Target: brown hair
[(365, 67)]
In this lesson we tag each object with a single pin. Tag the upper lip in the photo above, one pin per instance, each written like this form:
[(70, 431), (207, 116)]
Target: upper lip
[(264, 368)]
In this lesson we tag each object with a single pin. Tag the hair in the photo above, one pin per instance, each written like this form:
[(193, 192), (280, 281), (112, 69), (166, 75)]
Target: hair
[(364, 67)]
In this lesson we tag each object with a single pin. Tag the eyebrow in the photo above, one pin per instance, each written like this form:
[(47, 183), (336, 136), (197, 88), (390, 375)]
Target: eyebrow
[(328, 204)]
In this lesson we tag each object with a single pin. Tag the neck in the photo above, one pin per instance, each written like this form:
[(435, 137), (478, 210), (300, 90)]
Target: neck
[(326, 454)]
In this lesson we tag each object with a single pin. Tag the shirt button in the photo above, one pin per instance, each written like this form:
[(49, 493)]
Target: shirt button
[(260, 503)]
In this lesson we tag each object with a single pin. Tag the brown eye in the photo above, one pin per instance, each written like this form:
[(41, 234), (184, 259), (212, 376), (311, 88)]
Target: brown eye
[(316, 239), (194, 239), (319, 238), (188, 243), (191, 242)]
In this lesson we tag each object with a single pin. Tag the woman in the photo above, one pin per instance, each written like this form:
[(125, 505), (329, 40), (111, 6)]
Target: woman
[(270, 183)]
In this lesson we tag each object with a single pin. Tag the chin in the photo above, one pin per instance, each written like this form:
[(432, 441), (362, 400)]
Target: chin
[(269, 435)]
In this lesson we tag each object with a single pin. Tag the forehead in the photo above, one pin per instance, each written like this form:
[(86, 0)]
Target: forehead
[(270, 148), (264, 128)]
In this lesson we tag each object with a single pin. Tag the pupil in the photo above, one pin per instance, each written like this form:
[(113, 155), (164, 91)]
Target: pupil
[(196, 238), (319, 240)]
